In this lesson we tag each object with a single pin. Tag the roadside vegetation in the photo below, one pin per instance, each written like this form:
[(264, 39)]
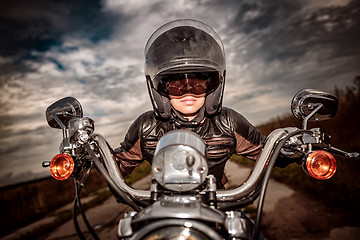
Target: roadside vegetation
[(26, 203), (342, 192)]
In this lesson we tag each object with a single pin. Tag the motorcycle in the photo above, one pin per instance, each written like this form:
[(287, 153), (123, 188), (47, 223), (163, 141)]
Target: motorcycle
[(183, 201)]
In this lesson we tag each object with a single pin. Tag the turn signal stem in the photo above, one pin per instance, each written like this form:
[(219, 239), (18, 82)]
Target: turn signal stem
[(320, 165), (45, 164)]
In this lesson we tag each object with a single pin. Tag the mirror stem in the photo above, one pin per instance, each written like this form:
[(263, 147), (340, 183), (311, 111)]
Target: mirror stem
[(310, 115), (63, 127)]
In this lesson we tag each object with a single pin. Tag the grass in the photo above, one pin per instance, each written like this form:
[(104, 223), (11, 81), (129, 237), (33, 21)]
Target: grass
[(243, 161), (66, 215), (139, 172)]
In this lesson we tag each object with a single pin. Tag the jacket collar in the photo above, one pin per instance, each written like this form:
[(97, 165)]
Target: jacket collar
[(181, 121)]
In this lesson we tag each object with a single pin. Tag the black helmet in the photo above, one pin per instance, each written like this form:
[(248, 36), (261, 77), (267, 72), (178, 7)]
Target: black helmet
[(182, 47)]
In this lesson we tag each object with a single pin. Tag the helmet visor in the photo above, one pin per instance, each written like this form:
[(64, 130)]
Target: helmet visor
[(197, 83)]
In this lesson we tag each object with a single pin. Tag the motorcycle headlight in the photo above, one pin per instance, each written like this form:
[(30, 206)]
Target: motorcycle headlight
[(179, 162), (175, 233), (176, 229)]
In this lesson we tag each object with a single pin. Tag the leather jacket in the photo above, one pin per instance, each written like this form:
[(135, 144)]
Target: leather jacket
[(225, 134)]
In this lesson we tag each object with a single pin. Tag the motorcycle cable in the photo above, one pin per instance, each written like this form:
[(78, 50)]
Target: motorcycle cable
[(75, 221), (267, 177), (102, 170), (76, 200), (78, 188)]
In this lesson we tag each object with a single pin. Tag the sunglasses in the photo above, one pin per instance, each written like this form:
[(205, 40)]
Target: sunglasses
[(183, 83)]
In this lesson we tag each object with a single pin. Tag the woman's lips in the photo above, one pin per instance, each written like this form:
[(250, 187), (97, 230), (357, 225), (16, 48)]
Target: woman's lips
[(189, 101)]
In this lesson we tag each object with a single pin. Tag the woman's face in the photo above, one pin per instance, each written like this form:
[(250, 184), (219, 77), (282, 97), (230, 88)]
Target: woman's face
[(188, 104)]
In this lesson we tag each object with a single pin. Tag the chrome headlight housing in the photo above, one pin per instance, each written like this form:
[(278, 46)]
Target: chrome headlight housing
[(179, 162), (80, 129)]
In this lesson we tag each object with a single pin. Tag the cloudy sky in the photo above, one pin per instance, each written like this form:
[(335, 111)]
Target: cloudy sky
[(94, 51)]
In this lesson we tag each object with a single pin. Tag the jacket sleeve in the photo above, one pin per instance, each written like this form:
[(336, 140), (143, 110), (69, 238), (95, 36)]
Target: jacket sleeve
[(249, 140), (129, 154)]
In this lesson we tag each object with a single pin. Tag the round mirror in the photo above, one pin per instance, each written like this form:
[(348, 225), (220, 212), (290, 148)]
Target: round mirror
[(307, 100), (62, 111)]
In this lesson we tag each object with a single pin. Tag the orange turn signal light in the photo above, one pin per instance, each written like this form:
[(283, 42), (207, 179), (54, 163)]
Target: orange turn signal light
[(321, 165), (61, 166)]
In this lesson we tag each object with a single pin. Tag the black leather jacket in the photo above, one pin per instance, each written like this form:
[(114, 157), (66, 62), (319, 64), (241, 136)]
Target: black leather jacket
[(225, 134)]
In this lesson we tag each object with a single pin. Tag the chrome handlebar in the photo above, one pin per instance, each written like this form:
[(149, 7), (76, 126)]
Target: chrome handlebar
[(244, 189), (257, 172), (114, 171)]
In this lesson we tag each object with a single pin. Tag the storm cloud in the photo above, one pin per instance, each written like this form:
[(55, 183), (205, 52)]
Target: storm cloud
[(94, 51)]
